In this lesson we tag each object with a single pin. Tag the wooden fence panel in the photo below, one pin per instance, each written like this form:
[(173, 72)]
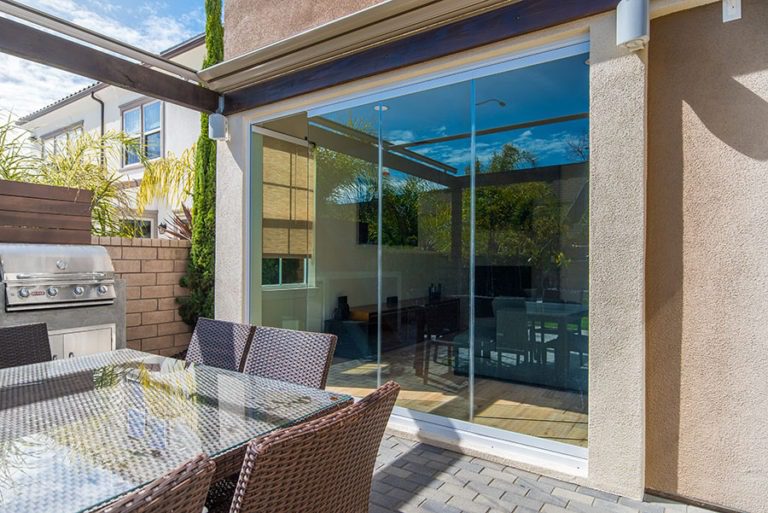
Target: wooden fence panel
[(35, 213)]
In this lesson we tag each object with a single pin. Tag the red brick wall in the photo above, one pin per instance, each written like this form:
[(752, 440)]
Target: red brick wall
[(151, 269)]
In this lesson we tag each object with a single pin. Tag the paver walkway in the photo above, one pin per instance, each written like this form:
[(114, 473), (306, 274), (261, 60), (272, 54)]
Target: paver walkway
[(416, 477)]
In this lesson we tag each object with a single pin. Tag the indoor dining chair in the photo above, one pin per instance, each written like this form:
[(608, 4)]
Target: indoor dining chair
[(182, 490), (299, 357), (219, 344), (22, 345)]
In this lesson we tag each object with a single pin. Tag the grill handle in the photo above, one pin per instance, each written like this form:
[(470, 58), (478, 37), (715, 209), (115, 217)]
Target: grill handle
[(59, 276)]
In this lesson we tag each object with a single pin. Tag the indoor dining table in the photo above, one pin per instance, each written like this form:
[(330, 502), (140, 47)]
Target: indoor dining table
[(77, 433), (562, 314)]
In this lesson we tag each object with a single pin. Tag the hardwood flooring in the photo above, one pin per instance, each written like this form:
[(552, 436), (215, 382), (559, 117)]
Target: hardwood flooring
[(542, 412)]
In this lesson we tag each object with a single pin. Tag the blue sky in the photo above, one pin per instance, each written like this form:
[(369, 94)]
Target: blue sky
[(549, 90), (152, 25)]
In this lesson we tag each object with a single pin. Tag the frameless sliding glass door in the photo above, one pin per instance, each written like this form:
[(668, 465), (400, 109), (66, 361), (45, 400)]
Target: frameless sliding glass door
[(441, 235)]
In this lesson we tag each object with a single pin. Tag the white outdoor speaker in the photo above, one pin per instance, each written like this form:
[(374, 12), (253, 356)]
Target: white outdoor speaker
[(633, 24), (217, 127)]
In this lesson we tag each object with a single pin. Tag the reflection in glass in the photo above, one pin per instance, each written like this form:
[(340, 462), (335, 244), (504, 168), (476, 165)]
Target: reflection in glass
[(425, 277), (483, 321), (531, 268)]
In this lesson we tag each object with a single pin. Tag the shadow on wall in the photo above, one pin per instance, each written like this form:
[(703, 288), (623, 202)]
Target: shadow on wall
[(695, 61)]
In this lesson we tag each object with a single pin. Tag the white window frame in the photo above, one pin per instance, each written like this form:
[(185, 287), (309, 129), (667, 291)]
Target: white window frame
[(139, 106), (152, 225), (49, 140), (280, 284)]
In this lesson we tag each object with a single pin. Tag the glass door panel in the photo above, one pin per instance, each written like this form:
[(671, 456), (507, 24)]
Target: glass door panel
[(531, 250), (286, 178), (442, 236), (344, 295), (424, 234)]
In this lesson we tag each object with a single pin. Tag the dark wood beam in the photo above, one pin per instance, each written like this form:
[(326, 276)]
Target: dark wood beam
[(35, 45), (369, 153), (525, 175), (489, 27)]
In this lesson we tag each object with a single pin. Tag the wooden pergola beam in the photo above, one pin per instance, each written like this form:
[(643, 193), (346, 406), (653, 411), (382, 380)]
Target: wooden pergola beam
[(38, 46)]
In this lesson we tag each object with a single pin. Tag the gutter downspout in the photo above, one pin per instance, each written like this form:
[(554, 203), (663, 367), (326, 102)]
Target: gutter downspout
[(101, 128)]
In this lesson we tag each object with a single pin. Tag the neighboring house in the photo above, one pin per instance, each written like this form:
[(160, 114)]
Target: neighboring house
[(554, 243), (163, 127)]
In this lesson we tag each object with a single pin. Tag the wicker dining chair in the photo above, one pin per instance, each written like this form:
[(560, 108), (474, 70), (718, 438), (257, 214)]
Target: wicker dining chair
[(300, 357), (324, 466), (182, 490), (219, 344), (22, 345)]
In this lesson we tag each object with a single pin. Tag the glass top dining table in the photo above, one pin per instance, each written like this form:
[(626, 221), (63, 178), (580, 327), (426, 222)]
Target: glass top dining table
[(79, 432)]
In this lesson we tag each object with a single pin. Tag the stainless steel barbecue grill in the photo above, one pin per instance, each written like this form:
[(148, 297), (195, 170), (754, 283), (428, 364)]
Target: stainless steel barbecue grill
[(42, 276)]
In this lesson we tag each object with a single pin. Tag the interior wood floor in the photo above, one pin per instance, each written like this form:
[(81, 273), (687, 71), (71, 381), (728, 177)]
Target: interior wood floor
[(537, 411)]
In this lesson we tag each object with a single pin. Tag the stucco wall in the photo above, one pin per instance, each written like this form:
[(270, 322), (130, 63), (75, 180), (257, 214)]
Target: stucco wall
[(707, 273), (617, 142), (252, 24)]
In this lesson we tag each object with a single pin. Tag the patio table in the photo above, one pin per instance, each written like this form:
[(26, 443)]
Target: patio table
[(77, 433)]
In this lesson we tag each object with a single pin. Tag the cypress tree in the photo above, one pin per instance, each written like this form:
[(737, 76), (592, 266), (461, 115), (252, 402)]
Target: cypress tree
[(200, 271)]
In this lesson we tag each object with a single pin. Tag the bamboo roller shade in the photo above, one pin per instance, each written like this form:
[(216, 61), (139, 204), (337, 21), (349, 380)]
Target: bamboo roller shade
[(288, 199)]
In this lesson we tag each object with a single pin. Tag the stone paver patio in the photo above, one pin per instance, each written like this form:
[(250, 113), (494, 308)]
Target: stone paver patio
[(416, 477)]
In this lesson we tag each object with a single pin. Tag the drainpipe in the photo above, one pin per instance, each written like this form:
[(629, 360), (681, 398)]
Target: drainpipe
[(101, 128)]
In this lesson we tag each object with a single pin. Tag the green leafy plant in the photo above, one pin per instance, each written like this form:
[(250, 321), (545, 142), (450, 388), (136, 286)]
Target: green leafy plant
[(200, 272), (82, 163), (18, 153), (79, 165), (171, 178)]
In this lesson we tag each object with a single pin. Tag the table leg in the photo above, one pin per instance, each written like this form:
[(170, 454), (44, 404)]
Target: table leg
[(562, 355)]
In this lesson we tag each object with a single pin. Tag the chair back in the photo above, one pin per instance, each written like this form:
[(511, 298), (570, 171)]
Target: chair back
[(299, 357), (219, 344), (22, 345), (512, 330), (324, 466), (183, 490)]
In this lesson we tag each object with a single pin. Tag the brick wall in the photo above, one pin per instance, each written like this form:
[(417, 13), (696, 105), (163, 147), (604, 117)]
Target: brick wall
[(151, 269)]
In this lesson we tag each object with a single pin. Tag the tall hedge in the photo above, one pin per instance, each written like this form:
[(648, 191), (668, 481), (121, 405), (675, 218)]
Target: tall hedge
[(200, 272)]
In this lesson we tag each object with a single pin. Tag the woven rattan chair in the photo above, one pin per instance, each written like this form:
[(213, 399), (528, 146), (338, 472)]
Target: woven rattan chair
[(22, 345), (219, 344), (298, 357), (182, 490), (324, 466)]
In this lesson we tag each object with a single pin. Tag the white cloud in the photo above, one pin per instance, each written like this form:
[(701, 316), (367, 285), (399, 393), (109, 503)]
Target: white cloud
[(400, 136), (26, 86)]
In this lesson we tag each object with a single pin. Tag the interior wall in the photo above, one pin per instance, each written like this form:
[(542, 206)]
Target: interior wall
[(707, 274), (343, 267)]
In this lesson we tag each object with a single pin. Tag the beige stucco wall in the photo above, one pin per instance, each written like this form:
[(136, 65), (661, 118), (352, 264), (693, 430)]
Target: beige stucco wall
[(617, 136), (252, 24), (707, 271)]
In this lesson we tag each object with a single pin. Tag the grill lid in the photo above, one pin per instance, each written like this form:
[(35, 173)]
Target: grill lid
[(22, 262), (38, 276)]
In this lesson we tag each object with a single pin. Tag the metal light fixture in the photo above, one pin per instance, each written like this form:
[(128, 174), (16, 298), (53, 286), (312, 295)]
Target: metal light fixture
[(217, 127), (501, 103), (633, 24), (217, 123)]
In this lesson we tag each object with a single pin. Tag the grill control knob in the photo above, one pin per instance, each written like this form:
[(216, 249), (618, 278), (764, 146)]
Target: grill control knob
[(52, 291), (24, 292), (101, 289), (78, 291)]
